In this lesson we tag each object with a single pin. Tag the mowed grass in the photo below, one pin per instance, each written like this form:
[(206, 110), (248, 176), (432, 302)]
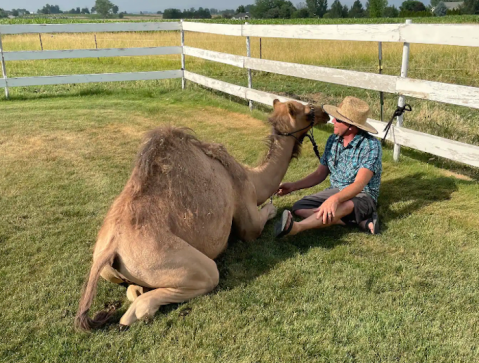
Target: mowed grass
[(408, 295), (449, 64)]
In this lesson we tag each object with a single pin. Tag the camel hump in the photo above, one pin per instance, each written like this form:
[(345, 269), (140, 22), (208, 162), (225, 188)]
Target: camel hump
[(170, 147)]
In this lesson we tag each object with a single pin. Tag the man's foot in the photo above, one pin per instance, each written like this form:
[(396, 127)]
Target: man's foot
[(284, 225), (371, 225)]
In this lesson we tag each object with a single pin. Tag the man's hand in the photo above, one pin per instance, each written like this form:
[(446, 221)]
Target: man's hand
[(285, 188), (328, 209)]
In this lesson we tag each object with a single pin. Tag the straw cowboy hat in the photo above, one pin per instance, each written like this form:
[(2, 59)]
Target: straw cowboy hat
[(352, 111)]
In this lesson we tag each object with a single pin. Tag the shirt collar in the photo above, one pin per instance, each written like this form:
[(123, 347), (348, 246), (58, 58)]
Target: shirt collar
[(355, 142)]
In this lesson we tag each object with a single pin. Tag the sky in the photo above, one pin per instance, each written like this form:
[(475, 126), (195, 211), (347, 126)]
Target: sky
[(149, 5)]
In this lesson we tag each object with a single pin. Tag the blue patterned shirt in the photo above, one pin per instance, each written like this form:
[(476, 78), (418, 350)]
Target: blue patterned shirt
[(364, 151)]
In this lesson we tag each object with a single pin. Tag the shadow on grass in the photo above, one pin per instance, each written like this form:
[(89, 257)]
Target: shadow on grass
[(401, 197)]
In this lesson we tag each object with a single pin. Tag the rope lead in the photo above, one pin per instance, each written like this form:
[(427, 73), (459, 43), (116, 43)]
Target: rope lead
[(398, 112)]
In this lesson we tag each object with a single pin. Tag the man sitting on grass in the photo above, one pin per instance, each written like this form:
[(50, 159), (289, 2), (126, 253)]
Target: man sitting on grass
[(353, 158)]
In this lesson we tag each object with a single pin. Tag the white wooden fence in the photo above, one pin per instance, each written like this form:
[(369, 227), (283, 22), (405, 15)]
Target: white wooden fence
[(459, 35)]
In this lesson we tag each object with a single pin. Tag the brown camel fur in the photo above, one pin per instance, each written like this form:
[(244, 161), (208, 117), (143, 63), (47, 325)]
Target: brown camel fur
[(176, 212)]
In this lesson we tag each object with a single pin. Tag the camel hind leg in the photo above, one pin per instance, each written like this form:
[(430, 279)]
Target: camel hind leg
[(132, 291), (186, 273)]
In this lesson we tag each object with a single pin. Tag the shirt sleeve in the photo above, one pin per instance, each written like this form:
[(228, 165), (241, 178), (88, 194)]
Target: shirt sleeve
[(327, 151), (371, 158)]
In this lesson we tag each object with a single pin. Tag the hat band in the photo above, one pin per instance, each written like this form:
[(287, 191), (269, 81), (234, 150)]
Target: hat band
[(347, 118)]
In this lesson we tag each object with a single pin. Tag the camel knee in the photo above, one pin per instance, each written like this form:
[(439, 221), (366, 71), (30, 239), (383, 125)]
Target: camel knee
[(252, 235), (209, 279)]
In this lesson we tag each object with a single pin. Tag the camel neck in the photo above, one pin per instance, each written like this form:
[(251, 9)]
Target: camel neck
[(267, 177)]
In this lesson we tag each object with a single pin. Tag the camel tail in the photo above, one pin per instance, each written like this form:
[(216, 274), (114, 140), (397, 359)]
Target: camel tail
[(82, 320)]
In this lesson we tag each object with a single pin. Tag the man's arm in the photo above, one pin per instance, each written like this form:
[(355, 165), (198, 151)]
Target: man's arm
[(362, 179), (311, 180), (327, 211)]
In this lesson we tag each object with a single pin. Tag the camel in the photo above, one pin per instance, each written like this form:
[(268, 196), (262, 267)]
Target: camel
[(177, 210)]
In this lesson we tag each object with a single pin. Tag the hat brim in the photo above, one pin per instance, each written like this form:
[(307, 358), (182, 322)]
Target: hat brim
[(333, 111)]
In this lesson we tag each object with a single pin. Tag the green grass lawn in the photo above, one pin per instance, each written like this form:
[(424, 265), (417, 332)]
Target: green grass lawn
[(410, 294)]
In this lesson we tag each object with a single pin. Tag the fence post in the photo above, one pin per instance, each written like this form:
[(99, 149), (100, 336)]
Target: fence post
[(183, 81), (4, 70), (402, 99), (40, 37), (96, 46), (260, 50), (250, 77), (381, 94)]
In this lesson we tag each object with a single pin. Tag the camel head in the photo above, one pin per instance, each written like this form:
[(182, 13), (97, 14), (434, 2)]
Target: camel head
[(294, 118)]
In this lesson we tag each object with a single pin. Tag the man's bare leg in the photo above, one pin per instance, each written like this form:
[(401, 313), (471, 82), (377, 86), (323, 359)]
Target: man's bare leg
[(310, 221), (305, 213)]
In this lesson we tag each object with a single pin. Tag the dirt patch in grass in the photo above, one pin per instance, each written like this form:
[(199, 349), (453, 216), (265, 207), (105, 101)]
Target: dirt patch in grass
[(456, 175)]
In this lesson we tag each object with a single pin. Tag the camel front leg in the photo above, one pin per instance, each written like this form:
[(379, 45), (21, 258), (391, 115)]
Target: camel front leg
[(250, 222)]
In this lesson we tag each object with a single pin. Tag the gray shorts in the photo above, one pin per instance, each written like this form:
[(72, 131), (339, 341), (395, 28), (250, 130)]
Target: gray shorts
[(364, 205)]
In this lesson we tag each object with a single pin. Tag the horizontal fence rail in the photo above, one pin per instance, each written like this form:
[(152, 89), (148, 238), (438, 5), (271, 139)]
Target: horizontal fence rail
[(90, 78), (90, 53), (454, 34), (87, 28), (453, 150), (427, 90)]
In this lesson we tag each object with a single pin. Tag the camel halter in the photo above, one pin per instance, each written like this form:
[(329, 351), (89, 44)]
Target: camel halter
[(309, 134)]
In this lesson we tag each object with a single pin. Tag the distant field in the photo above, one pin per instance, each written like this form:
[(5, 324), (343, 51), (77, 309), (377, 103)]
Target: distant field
[(456, 19)]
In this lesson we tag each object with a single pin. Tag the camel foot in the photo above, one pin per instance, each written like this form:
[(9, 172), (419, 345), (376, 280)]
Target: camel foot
[(271, 210), (134, 291), (123, 328)]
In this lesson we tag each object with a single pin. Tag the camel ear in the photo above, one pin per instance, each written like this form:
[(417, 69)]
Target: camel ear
[(292, 110), (275, 102)]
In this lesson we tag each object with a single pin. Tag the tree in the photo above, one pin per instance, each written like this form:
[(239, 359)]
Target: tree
[(115, 9), (271, 9), (317, 7), (104, 7), (85, 11), (336, 10), (470, 7), (412, 5), (440, 9), (240, 9), (434, 3), (286, 10), (376, 8), (15, 12), (3, 13), (121, 15), (301, 13), (50, 9), (172, 14), (391, 12), (93, 10), (357, 10)]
